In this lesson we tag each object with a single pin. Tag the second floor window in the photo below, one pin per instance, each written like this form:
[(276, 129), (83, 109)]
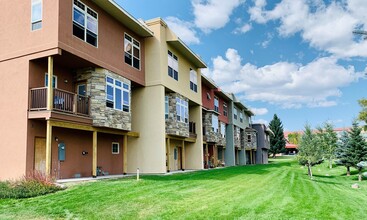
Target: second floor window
[(193, 80), (36, 15), (216, 104), (215, 123), (249, 138), (241, 117), (166, 107), (132, 52), (235, 113), (182, 110), (54, 81), (117, 95), (225, 109), (172, 65), (85, 23)]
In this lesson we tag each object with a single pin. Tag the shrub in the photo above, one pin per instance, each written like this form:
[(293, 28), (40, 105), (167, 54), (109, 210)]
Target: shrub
[(31, 185)]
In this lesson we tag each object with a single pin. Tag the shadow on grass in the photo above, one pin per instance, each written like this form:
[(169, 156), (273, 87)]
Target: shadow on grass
[(219, 174)]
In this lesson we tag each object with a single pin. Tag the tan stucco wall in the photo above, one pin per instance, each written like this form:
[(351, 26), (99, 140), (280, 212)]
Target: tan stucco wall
[(16, 37), (13, 117), (148, 152)]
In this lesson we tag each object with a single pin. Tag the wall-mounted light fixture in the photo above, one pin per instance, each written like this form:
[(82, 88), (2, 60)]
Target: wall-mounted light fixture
[(56, 139)]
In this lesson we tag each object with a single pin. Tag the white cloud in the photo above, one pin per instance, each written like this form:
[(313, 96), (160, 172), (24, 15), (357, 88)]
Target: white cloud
[(183, 29), (260, 121), (243, 29), (213, 14), (266, 43), (259, 111), (289, 85), (326, 27)]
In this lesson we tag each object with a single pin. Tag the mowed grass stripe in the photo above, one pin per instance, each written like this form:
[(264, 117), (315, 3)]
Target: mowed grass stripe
[(279, 190)]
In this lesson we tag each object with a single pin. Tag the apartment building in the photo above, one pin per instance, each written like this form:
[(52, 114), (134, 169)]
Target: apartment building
[(263, 143), (240, 138), (168, 109), (215, 121), (70, 69)]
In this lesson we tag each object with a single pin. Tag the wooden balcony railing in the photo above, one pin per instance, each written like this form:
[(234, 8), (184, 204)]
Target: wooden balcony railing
[(64, 101)]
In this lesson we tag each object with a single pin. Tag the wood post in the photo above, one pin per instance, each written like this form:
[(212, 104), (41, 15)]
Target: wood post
[(75, 102), (94, 174), (207, 155), (50, 73), (48, 148), (168, 149), (183, 156), (125, 154)]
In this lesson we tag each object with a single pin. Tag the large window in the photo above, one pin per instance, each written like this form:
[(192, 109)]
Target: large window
[(36, 15), (85, 23), (182, 110), (216, 104), (172, 65), (225, 109), (193, 80), (235, 113), (117, 95), (223, 129), (241, 117), (132, 51), (215, 123), (166, 107)]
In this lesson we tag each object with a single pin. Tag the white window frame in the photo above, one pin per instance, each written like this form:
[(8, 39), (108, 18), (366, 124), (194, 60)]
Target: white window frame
[(118, 147), (182, 110), (193, 80), (124, 87), (235, 113), (215, 123), (225, 109), (54, 77), (36, 21), (134, 44), (249, 137), (223, 129), (216, 104), (86, 16), (241, 117), (173, 64)]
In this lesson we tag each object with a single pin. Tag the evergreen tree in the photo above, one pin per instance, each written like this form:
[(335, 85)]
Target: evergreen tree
[(358, 148), (327, 139), (277, 140), (309, 152), (343, 152)]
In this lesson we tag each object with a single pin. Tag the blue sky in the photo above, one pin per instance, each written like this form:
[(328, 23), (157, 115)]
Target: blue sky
[(296, 58)]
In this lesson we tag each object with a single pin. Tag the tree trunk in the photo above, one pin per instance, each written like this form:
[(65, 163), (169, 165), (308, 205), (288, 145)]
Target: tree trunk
[(309, 171), (348, 171), (273, 155)]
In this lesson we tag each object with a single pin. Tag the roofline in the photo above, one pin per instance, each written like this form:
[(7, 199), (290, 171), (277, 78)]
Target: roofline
[(135, 25), (203, 64)]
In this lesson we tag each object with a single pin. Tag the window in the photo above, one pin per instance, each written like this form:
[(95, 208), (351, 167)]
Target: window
[(54, 81), (182, 110), (193, 80), (215, 123), (208, 96), (36, 15), (166, 107), (216, 104), (172, 65), (85, 23), (241, 117), (115, 148), (223, 129), (132, 51), (117, 94), (225, 109), (249, 138), (235, 113), (237, 133)]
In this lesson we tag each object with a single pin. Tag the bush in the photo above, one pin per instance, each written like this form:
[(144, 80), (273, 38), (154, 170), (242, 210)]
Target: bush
[(31, 185)]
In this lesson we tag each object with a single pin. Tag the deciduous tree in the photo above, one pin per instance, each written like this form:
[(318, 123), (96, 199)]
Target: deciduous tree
[(327, 139)]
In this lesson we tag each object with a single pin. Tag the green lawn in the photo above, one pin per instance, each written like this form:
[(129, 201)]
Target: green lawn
[(280, 190)]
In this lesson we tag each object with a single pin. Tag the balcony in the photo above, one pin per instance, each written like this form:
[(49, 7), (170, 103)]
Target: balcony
[(63, 101)]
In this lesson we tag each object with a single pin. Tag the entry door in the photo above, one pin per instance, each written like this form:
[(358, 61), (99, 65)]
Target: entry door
[(175, 158), (40, 155), (179, 158)]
